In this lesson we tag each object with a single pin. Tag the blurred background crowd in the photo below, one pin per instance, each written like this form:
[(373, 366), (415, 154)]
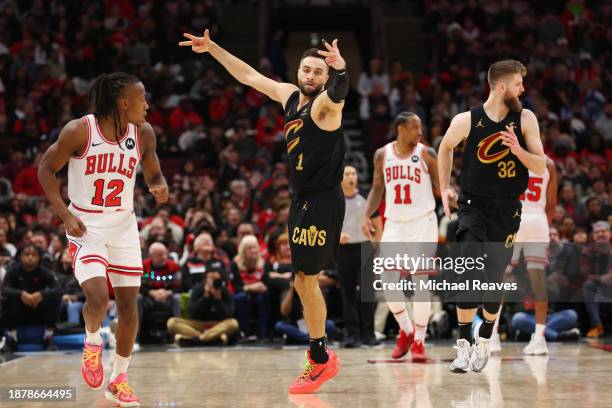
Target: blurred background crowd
[(216, 256)]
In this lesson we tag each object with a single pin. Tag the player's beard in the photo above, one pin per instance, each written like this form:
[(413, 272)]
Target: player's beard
[(309, 93), (513, 102)]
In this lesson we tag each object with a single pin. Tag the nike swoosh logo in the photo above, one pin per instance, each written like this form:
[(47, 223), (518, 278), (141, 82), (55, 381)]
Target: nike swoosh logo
[(314, 377), (96, 144)]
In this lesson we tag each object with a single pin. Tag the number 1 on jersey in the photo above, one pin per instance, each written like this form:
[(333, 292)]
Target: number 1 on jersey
[(398, 194), (300, 160)]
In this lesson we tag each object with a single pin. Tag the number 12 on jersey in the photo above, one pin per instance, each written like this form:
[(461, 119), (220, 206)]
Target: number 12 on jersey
[(115, 188), (398, 194)]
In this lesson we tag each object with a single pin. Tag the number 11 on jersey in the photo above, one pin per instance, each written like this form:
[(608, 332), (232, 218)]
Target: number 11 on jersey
[(398, 194)]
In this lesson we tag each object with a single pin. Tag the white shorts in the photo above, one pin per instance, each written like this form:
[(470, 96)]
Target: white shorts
[(418, 236), (532, 239), (109, 249)]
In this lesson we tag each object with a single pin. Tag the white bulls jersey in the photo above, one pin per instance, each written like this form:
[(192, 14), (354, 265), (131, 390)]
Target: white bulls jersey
[(102, 178), (534, 198), (408, 189)]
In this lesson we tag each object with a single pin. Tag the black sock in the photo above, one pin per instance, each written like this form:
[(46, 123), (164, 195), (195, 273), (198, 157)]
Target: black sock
[(318, 350), (486, 329), (465, 331)]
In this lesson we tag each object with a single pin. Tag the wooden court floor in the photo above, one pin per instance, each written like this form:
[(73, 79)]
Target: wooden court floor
[(573, 375)]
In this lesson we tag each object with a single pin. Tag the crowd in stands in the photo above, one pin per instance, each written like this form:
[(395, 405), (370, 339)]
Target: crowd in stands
[(216, 256)]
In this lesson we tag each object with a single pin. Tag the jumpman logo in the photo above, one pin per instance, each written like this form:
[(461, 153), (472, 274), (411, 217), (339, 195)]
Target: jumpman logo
[(305, 206), (516, 214), (480, 124)]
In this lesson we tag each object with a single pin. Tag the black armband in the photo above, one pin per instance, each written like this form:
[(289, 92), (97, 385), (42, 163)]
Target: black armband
[(339, 87)]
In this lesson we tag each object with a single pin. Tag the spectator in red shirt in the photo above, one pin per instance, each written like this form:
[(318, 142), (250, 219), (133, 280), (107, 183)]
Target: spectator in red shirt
[(181, 115), (27, 180), (160, 287), (270, 127)]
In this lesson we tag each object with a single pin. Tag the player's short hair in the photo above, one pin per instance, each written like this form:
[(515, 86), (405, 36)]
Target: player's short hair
[(501, 69), (311, 52), (400, 119)]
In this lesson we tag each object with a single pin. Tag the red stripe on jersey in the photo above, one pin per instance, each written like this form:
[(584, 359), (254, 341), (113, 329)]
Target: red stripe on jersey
[(137, 132), (92, 256), (127, 130), (88, 261), (88, 140), (118, 272), (86, 210), (127, 268)]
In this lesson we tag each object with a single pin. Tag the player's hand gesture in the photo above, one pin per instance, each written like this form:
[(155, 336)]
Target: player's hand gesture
[(367, 227), (509, 139), (449, 199), (197, 44), (160, 192), (332, 55), (74, 226)]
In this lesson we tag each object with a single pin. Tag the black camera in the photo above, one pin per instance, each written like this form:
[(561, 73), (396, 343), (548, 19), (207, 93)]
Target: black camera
[(218, 283)]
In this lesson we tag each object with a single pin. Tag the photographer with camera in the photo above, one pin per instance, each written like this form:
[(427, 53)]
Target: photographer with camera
[(211, 308)]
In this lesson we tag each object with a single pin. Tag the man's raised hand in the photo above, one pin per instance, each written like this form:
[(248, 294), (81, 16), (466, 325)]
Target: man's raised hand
[(332, 55), (197, 44)]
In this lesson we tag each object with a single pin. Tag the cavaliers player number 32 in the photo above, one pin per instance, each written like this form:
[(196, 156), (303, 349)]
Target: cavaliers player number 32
[(102, 150), (502, 144), (315, 148)]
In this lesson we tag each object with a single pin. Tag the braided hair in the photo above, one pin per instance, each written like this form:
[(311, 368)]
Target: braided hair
[(400, 119), (104, 93)]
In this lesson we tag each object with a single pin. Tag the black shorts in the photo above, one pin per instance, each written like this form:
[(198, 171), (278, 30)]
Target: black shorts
[(489, 219), (315, 222), (487, 227)]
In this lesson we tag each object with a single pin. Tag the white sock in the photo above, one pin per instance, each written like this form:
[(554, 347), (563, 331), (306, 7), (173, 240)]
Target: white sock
[(94, 338), (120, 366), (421, 311), (12, 334), (539, 330), (48, 333), (496, 325), (420, 332), (401, 316)]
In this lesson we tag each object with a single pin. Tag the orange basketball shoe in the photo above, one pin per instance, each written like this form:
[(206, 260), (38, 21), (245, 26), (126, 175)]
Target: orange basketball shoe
[(404, 341), (418, 352), (120, 392), (91, 369), (315, 375)]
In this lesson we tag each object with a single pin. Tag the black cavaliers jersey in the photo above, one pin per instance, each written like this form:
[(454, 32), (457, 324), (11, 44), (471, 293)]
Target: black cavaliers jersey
[(489, 168), (316, 156)]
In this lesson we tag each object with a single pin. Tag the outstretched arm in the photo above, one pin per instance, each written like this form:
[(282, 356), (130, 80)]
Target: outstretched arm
[(375, 195), (458, 131), (71, 141), (239, 69), (150, 164)]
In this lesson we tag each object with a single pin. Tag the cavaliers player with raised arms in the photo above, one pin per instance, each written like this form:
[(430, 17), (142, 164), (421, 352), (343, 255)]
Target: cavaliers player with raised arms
[(315, 147), (102, 151), (502, 144), (406, 171)]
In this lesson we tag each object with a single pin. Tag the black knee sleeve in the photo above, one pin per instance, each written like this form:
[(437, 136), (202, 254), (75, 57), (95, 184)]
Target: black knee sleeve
[(467, 305), (491, 307)]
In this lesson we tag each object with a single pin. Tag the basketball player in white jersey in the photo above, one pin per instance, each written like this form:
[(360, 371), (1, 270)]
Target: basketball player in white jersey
[(539, 202), (406, 171), (103, 150)]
